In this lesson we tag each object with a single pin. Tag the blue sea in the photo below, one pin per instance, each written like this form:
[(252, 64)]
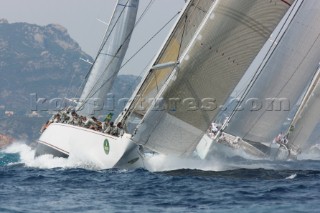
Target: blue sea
[(227, 183)]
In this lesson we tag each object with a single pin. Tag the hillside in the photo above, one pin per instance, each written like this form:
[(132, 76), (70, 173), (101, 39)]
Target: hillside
[(40, 62)]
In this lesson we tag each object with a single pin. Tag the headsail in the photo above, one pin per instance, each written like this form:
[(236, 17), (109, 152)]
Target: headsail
[(176, 43), (305, 129), (109, 58), (282, 80), (219, 53)]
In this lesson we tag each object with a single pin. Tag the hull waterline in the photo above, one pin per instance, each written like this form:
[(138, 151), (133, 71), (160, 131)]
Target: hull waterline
[(102, 150)]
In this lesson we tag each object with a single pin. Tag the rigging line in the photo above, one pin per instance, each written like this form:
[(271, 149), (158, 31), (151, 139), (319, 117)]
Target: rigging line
[(113, 27), (288, 79), (143, 46), (133, 101), (132, 104), (262, 65), (246, 90), (145, 10), (185, 26), (136, 24), (86, 100), (68, 89), (306, 96), (182, 36), (130, 89), (105, 39), (149, 42), (180, 47), (202, 10), (97, 89), (204, 114), (286, 82), (140, 75), (81, 86)]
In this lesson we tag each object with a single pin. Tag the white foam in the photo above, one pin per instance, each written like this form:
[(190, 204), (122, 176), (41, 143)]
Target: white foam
[(293, 176), (159, 163), (313, 153), (222, 159), (45, 161)]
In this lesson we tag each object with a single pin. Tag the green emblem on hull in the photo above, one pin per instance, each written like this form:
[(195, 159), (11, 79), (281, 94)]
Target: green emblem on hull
[(106, 146)]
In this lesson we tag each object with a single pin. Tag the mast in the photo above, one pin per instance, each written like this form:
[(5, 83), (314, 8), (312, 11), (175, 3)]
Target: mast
[(177, 40), (282, 80), (220, 51), (304, 129), (255, 69), (110, 56), (307, 97)]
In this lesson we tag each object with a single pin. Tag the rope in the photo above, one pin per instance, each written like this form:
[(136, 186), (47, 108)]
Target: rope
[(105, 40), (97, 89)]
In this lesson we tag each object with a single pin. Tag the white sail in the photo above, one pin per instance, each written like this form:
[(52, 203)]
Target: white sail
[(69, 137), (305, 129), (109, 58), (282, 80), (221, 50), (175, 44)]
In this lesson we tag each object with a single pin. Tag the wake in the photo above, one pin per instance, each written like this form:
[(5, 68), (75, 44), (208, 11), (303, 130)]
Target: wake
[(223, 159), (27, 158), (312, 154)]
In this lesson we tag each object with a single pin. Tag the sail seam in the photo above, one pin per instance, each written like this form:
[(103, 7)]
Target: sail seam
[(262, 65), (128, 36)]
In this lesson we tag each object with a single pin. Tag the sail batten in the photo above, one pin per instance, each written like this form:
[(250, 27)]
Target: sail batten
[(228, 40), (283, 78)]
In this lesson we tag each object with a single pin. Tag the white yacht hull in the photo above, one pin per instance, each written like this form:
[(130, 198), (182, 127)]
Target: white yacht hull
[(92, 147), (207, 144)]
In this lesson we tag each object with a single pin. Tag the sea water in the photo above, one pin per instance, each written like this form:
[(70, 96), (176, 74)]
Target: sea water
[(226, 183)]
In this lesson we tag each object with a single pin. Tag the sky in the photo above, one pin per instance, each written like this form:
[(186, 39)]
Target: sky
[(79, 17)]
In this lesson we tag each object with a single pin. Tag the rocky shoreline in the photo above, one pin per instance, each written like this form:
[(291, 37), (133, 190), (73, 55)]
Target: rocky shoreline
[(5, 141)]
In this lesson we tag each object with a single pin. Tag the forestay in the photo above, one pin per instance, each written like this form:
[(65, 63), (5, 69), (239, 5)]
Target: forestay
[(109, 58), (266, 110), (179, 38), (221, 50)]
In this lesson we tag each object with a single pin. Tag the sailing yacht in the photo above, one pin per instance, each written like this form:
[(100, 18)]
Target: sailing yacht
[(303, 133), (103, 150), (207, 63), (283, 74), (200, 63)]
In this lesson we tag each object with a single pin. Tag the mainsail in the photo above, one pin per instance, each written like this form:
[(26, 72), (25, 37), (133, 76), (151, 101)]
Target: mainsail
[(109, 58), (176, 43), (282, 80), (219, 51)]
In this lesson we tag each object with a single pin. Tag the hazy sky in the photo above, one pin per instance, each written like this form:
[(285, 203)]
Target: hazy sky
[(80, 19)]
